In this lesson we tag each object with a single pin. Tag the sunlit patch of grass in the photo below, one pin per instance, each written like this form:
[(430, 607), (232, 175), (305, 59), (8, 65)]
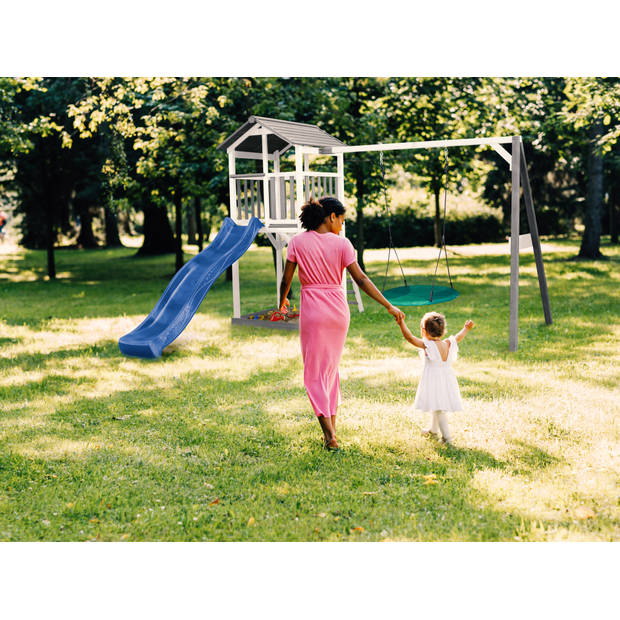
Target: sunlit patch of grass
[(217, 440), (52, 448)]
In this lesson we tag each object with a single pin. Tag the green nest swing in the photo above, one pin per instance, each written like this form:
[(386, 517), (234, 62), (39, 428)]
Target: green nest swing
[(418, 294)]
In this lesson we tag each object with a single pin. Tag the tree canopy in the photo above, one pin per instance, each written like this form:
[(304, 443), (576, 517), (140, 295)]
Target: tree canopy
[(76, 152)]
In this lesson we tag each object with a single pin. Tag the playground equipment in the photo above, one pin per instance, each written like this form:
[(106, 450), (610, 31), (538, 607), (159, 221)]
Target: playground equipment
[(417, 294), (269, 202), (187, 289), (274, 195), (277, 196)]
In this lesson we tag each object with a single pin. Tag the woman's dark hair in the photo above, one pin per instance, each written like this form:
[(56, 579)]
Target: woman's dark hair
[(315, 211)]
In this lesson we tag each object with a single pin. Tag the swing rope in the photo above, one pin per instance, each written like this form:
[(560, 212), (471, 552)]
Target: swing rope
[(443, 229), (389, 218)]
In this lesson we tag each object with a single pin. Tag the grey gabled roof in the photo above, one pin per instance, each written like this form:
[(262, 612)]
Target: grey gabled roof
[(284, 134)]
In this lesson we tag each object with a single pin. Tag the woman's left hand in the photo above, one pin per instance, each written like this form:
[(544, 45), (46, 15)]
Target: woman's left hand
[(284, 306)]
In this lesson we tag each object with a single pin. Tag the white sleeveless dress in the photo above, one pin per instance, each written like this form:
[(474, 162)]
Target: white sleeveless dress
[(438, 389)]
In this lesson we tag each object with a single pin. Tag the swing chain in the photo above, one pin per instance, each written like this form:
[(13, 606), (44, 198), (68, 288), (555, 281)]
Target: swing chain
[(389, 218), (443, 229)]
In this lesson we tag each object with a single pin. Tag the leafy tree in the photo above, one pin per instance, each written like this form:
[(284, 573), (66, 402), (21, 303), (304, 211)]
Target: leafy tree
[(350, 110), (530, 107), (422, 109), (45, 175), (591, 105)]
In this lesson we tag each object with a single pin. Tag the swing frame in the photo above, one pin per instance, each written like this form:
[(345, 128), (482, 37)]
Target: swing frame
[(276, 196), (520, 181), (442, 248)]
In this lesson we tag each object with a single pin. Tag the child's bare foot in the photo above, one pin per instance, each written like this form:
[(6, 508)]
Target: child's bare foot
[(429, 433)]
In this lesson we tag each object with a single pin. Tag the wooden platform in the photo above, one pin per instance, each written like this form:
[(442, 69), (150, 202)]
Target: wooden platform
[(249, 320)]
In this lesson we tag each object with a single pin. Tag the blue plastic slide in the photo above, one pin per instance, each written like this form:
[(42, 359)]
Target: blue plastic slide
[(187, 289)]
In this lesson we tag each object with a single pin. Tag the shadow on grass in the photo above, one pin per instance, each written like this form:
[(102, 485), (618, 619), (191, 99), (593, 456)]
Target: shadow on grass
[(106, 349), (204, 461)]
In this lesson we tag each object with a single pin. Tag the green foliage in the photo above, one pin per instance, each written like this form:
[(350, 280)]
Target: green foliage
[(53, 170), (157, 136), (592, 100), (410, 229)]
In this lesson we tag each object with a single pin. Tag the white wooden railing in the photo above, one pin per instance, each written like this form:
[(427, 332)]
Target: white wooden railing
[(250, 195)]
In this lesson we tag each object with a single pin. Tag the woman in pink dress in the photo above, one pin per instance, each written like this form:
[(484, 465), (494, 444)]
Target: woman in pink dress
[(322, 256)]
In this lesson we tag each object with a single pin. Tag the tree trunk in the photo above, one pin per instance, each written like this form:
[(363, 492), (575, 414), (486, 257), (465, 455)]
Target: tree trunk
[(158, 237), (178, 212), (198, 218), (124, 222), (437, 222), (207, 229), (360, 193), (51, 237), (191, 226), (112, 239), (614, 195), (86, 237), (591, 241)]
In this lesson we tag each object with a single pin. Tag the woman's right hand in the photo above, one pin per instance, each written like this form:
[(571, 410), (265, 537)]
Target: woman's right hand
[(398, 314)]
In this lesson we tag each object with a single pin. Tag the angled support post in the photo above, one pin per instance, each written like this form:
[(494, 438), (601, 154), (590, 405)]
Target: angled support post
[(531, 219), (513, 326)]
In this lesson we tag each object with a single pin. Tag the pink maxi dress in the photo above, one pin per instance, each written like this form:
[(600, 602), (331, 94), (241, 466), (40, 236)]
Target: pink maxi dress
[(323, 313)]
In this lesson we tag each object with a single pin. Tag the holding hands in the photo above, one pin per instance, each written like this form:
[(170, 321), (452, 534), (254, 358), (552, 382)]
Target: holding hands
[(398, 314)]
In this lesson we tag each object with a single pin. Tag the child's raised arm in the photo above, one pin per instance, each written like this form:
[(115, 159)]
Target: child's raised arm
[(468, 325), (409, 337)]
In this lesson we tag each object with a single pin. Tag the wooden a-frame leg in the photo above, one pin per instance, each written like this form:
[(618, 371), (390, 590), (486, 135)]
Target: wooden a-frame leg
[(531, 219), (513, 325)]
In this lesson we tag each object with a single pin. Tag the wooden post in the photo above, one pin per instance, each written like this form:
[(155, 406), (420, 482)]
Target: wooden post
[(279, 245), (276, 185), (340, 177), (513, 328), (299, 182), (531, 219), (234, 214), (265, 154), (232, 185)]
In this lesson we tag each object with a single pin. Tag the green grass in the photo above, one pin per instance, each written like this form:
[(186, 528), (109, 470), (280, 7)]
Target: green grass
[(217, 441)]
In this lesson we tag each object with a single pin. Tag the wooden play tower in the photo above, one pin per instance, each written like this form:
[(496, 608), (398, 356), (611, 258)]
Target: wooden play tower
[(275, 196)]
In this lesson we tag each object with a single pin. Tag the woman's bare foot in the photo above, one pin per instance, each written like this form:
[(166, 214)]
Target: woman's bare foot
[(331, 444)]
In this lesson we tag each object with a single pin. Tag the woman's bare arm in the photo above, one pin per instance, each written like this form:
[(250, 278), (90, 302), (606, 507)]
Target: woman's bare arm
[(285, 285), (366, 284)]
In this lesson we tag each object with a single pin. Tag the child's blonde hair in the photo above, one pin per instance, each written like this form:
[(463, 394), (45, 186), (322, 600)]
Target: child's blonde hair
[(434, 324)]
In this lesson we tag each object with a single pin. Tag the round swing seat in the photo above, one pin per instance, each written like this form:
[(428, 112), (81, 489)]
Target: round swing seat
[(419, 295)]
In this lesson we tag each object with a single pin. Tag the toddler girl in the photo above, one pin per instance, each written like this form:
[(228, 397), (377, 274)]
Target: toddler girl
[(438, 391)]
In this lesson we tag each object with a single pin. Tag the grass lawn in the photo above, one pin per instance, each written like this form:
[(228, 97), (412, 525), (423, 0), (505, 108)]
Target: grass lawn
[(217, 441)]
